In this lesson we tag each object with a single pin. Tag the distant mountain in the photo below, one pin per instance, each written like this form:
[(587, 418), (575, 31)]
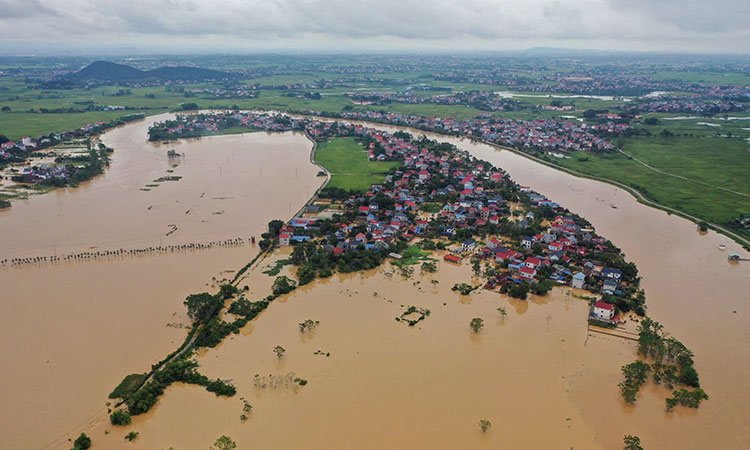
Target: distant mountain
[(105, 71)]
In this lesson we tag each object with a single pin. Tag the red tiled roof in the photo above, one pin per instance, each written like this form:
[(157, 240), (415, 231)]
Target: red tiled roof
[(604, 305)]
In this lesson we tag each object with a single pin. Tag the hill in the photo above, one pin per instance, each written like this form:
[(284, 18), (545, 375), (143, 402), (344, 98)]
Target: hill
[(105, 70), (109, 72)]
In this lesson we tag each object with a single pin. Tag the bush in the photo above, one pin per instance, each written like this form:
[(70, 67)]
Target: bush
[(120, 418), (83, 442), (462, 288), (131, 436)]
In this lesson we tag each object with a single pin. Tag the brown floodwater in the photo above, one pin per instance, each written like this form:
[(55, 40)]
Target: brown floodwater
[(72, 330), (538, 375), (692, 289), (386, 385), (226, 181)]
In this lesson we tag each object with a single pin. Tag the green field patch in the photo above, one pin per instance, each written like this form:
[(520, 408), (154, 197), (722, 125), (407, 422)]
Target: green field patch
[(346, 160), (411, 256)]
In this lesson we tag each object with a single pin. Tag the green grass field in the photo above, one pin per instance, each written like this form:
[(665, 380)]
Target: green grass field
[(717, 161), (347, 162)]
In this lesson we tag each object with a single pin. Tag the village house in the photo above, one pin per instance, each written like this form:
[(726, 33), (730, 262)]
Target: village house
[(603, 311), (579, 278)]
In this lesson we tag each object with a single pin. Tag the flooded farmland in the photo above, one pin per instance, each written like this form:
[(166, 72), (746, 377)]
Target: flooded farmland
[(384, 384), (71, 330)]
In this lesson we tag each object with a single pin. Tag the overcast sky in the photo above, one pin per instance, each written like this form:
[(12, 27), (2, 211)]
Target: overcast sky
[(716, 26)]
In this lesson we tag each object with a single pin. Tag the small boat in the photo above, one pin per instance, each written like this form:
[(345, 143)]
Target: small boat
[(722, 247), (733, 257)]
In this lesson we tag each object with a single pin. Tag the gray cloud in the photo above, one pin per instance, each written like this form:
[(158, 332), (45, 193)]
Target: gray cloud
[(634, 24)]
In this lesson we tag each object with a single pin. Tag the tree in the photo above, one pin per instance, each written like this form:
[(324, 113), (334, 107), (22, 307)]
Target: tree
[(274, 227), (689, 377), (485, 425), (476, 266), (632, 442), (224, 443), (636, 373), (279, 350), (308, 325), (202, 306), (6, 109), (131, 436), (283, 285), (476, 324), (83, 442), (120, 418)]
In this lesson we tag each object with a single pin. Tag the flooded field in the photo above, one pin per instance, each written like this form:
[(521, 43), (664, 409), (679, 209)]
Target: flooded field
[(71, 330), (384, 385), (214, 190)]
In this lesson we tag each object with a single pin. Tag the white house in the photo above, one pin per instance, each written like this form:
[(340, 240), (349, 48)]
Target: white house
[(603, 310)]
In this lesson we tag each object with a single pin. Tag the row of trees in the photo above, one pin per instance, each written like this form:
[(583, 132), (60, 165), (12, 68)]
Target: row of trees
[(671, 365), (180, 370)]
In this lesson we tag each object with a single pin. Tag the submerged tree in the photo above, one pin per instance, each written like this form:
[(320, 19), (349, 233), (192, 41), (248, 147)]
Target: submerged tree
[(279, 350), (632, 442), (476, 324), (485, 425), (83, 442), (308, 325), (224, 443)]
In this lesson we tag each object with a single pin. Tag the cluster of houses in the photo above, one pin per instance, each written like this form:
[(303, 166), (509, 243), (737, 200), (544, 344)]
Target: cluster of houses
[(442, 193), (611, 83), (687, 105), (482, 100), (39, 173), (17, 151), (537, 136), (216, 93)]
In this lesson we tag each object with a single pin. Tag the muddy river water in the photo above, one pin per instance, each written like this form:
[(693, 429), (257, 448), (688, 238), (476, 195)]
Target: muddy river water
[(71, 330)]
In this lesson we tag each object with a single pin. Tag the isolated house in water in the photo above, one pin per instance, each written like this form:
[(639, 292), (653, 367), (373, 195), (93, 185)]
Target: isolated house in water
[(603, 311)]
